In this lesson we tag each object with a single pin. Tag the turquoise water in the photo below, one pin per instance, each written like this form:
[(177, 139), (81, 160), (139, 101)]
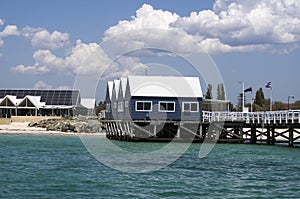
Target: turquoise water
[(60, 167)]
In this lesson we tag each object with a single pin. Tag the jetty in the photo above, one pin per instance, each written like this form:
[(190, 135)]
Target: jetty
[(273, 127), (169, 108)]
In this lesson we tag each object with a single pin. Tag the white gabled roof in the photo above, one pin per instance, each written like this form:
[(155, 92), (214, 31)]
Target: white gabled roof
[(13, 99), (88, 103), (165, 86), (35, 100), (110, 85), (123, 85), (117, 87)]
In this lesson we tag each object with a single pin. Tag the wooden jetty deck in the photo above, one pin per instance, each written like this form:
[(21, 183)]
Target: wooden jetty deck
[(224, 127)]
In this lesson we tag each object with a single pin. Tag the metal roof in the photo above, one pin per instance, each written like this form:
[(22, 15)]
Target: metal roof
[(88, 103), (110, 88), (123, 85), (116, 87), (50, 97), (165, 86)]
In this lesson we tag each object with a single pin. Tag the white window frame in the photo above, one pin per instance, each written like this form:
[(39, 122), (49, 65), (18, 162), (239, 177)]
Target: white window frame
[(108, 107), (168, 102), (190, 106), (120, 106), (136, 102), (126, 104)]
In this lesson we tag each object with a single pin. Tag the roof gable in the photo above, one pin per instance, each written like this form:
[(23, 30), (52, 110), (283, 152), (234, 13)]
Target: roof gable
[(123, 85), (110, 85), (116, 88)]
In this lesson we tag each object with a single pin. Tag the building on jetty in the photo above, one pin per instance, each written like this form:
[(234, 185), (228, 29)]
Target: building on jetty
[(153, 106), (18, 102)]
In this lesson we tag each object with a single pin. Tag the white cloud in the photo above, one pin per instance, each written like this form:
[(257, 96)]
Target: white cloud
[(44, 40), (9, 30), (85, 59), (231, 26), (81, 60), (42, 85), (63, 87), (146, 17), (29, 32), (1, 22)]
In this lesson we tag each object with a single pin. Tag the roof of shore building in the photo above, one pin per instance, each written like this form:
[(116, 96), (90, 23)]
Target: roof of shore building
[(165, 86), (41, 97)]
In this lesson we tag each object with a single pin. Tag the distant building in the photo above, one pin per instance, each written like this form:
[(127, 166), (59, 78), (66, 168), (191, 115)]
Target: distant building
[(17, 102), (154, 98)]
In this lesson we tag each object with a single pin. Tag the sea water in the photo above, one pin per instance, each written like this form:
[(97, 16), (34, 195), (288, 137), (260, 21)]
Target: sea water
[(39, 166)]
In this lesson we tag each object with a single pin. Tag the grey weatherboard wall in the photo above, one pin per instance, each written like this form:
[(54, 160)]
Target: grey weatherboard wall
[(177, 115)]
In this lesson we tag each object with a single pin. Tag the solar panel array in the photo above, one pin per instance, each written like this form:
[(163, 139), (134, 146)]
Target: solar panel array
[(51, 97)]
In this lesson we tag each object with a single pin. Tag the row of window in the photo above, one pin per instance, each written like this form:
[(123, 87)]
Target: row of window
[(163, 106)]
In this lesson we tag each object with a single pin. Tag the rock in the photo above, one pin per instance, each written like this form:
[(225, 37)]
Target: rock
[(82, 125), (32, 124)]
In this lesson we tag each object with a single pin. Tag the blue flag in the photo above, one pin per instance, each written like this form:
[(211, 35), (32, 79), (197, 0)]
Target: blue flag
[(249, 89), (268, 85)]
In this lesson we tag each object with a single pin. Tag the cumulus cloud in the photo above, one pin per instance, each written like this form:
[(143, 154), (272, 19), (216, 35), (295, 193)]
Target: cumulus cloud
[(1, 22), (42, 85), (146, 17), (42, 39), (85, 59), (231, 26), (9, 30)]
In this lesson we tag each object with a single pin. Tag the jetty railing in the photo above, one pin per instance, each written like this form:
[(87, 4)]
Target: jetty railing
[(267, 117)]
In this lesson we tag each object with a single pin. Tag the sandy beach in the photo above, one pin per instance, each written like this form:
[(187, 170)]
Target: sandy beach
[(23, 128)]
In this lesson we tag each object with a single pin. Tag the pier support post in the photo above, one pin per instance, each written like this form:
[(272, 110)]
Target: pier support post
[(253, 135), (268, 136), (273, 136), (291, 136), (241, 132)]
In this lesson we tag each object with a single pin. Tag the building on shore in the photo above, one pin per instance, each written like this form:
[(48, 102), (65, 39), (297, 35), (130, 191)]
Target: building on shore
[(25, 102)]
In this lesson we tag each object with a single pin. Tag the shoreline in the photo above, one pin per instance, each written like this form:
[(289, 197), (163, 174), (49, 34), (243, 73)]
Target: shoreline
[(22, 128)]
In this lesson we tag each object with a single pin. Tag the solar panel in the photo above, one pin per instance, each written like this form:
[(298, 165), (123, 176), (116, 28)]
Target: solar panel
[(51, 97)]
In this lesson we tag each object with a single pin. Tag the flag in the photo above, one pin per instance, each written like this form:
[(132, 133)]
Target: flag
[(268, 85), (249, 89)]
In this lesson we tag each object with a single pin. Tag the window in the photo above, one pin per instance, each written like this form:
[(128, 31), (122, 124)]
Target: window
[(166, 106), (115, 105), (126, 104), (108, 107), (120, 107), (143, 106), (190, 107)]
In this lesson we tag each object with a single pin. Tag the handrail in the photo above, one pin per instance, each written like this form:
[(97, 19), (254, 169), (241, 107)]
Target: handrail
[(266, 117)]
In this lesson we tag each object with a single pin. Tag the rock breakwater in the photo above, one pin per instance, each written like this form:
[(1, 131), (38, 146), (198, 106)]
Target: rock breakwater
[(77, 125)]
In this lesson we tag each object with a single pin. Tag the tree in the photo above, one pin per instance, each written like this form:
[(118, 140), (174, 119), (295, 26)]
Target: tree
[(101, 106), (279, 106), (295, 105), (220, 92), (259, 97), (209, 92)]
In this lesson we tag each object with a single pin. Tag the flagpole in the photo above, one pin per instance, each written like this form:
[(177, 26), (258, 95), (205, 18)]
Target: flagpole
[(271, 99), (243, 95)]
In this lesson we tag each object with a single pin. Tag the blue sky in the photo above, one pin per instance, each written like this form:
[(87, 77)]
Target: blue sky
[(43, 42)]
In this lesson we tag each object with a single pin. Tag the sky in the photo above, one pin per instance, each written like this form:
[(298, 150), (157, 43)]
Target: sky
[(48, 44)]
